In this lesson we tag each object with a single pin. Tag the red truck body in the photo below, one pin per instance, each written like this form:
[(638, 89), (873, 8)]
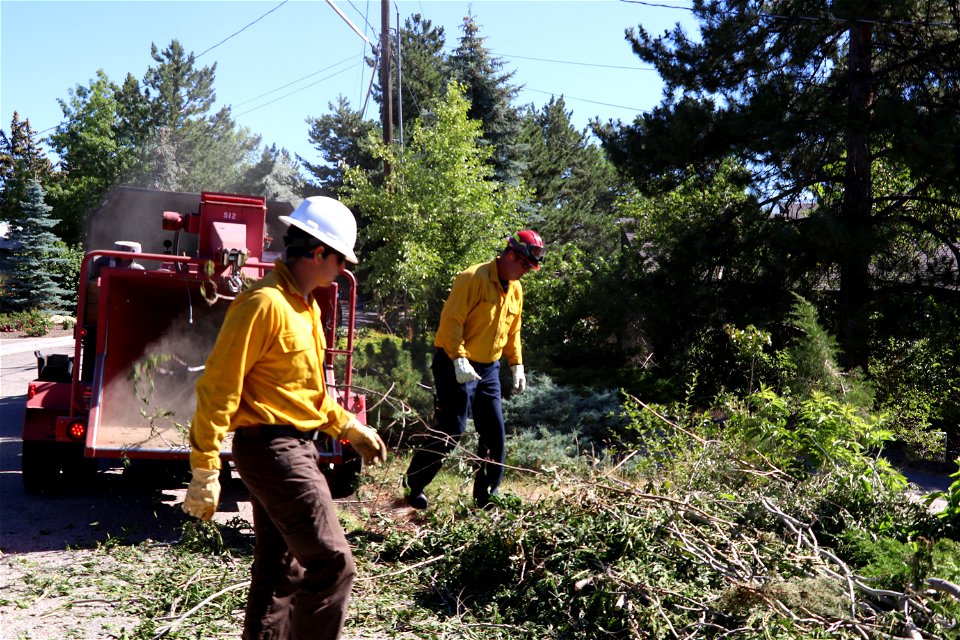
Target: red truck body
[(145, 325)]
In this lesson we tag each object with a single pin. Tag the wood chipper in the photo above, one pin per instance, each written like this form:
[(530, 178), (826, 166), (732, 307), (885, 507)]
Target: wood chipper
[(146, 321)]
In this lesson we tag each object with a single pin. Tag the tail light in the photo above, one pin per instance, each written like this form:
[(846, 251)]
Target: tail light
[(31, 391), (76, 430)]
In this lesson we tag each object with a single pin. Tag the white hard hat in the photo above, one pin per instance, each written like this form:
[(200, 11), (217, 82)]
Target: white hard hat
[(329, 221)]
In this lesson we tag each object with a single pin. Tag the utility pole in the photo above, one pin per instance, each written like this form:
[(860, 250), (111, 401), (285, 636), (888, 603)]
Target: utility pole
[(386, 90)]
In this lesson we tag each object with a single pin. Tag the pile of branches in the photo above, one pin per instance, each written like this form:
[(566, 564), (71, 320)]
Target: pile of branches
[(608, 557)]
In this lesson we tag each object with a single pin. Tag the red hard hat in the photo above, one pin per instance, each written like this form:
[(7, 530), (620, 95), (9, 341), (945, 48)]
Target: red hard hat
[(528, 244)]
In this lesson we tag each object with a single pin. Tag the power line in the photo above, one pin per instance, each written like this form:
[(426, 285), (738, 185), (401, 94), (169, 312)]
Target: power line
[(573, 62), (365, 21), (242, 30), (332, 75), (570, 62), (344, 17), (566, 97), (310, 75)]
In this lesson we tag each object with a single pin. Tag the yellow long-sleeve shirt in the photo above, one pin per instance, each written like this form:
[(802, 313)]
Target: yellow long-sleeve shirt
[(265, 368), (480, 321)]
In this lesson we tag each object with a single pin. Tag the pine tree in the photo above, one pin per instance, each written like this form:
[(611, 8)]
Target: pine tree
[(574, 185), (275, 177), (22, 160), (828, 102), (183, 145), (424, 74), (491, 96), (339, 136), (31, 283)]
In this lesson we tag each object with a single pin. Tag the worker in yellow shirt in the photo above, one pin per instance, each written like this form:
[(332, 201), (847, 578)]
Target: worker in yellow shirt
[(480, 322), (264, 382)]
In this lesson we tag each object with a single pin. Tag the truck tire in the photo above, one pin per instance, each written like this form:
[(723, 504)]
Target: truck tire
[(79, 472), (40, 465)]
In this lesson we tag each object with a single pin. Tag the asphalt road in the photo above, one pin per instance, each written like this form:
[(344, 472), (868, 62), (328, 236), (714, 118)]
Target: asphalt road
[(142, 502)]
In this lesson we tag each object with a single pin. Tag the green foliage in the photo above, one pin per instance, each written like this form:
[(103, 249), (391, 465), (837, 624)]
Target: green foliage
[(816, 434), (490, 95), (340, 138), (592, 416), (384, 365), (425, 70), (780, 98), (950, 515), (438, 213), (542, 449), (918, 385), (22, 161), (161, 134), (31, 281), (574, 186), (93, 154), (34, 323)]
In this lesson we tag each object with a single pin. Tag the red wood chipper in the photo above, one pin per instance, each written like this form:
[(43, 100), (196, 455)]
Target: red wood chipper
[(154, 287)]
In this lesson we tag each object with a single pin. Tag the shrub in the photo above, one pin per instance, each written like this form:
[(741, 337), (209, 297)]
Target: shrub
[(396, 386), (34, 323), (594, 416)]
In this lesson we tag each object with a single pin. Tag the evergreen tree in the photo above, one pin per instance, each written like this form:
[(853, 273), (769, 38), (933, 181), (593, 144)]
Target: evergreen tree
[(830, 105), (22, 160), (574, 186), (339, 136), (424, 74), (275, 177), (31, 283), (491, 96), (183, 145)]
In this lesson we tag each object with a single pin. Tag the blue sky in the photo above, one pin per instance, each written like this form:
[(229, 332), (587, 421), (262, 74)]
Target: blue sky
[(299, 55)]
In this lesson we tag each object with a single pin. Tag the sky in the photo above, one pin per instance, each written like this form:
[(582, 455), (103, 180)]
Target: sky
[(279, 63)]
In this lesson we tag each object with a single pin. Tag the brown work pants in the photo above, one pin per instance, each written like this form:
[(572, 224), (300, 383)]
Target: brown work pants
[(302, 564)]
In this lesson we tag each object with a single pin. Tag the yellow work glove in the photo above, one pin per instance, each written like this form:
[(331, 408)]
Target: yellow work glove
[(366, 441), (203, 493)]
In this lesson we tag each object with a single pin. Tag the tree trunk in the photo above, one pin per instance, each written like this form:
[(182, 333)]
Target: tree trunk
[(856, 246)]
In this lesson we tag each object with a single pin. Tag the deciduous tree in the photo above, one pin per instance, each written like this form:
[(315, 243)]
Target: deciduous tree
[(438, 212)]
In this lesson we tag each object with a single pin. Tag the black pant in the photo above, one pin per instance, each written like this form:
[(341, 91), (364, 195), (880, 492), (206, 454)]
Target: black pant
[(303, 568), (454, 404)]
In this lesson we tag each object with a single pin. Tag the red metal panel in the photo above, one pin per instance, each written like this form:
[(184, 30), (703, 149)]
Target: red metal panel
[(50, 395), (248, 211)]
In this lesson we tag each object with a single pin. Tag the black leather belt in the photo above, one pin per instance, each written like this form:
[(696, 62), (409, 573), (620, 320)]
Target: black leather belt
[(271, 431)]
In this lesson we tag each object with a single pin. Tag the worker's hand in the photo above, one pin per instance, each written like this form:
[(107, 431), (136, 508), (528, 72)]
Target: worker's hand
[(464, 371), (519, 379), (203, 494), (366, 441)]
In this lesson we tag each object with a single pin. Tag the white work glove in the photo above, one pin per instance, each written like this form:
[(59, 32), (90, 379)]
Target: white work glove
[(366, 441), (519, 380), (464, 371), (203, 493)]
